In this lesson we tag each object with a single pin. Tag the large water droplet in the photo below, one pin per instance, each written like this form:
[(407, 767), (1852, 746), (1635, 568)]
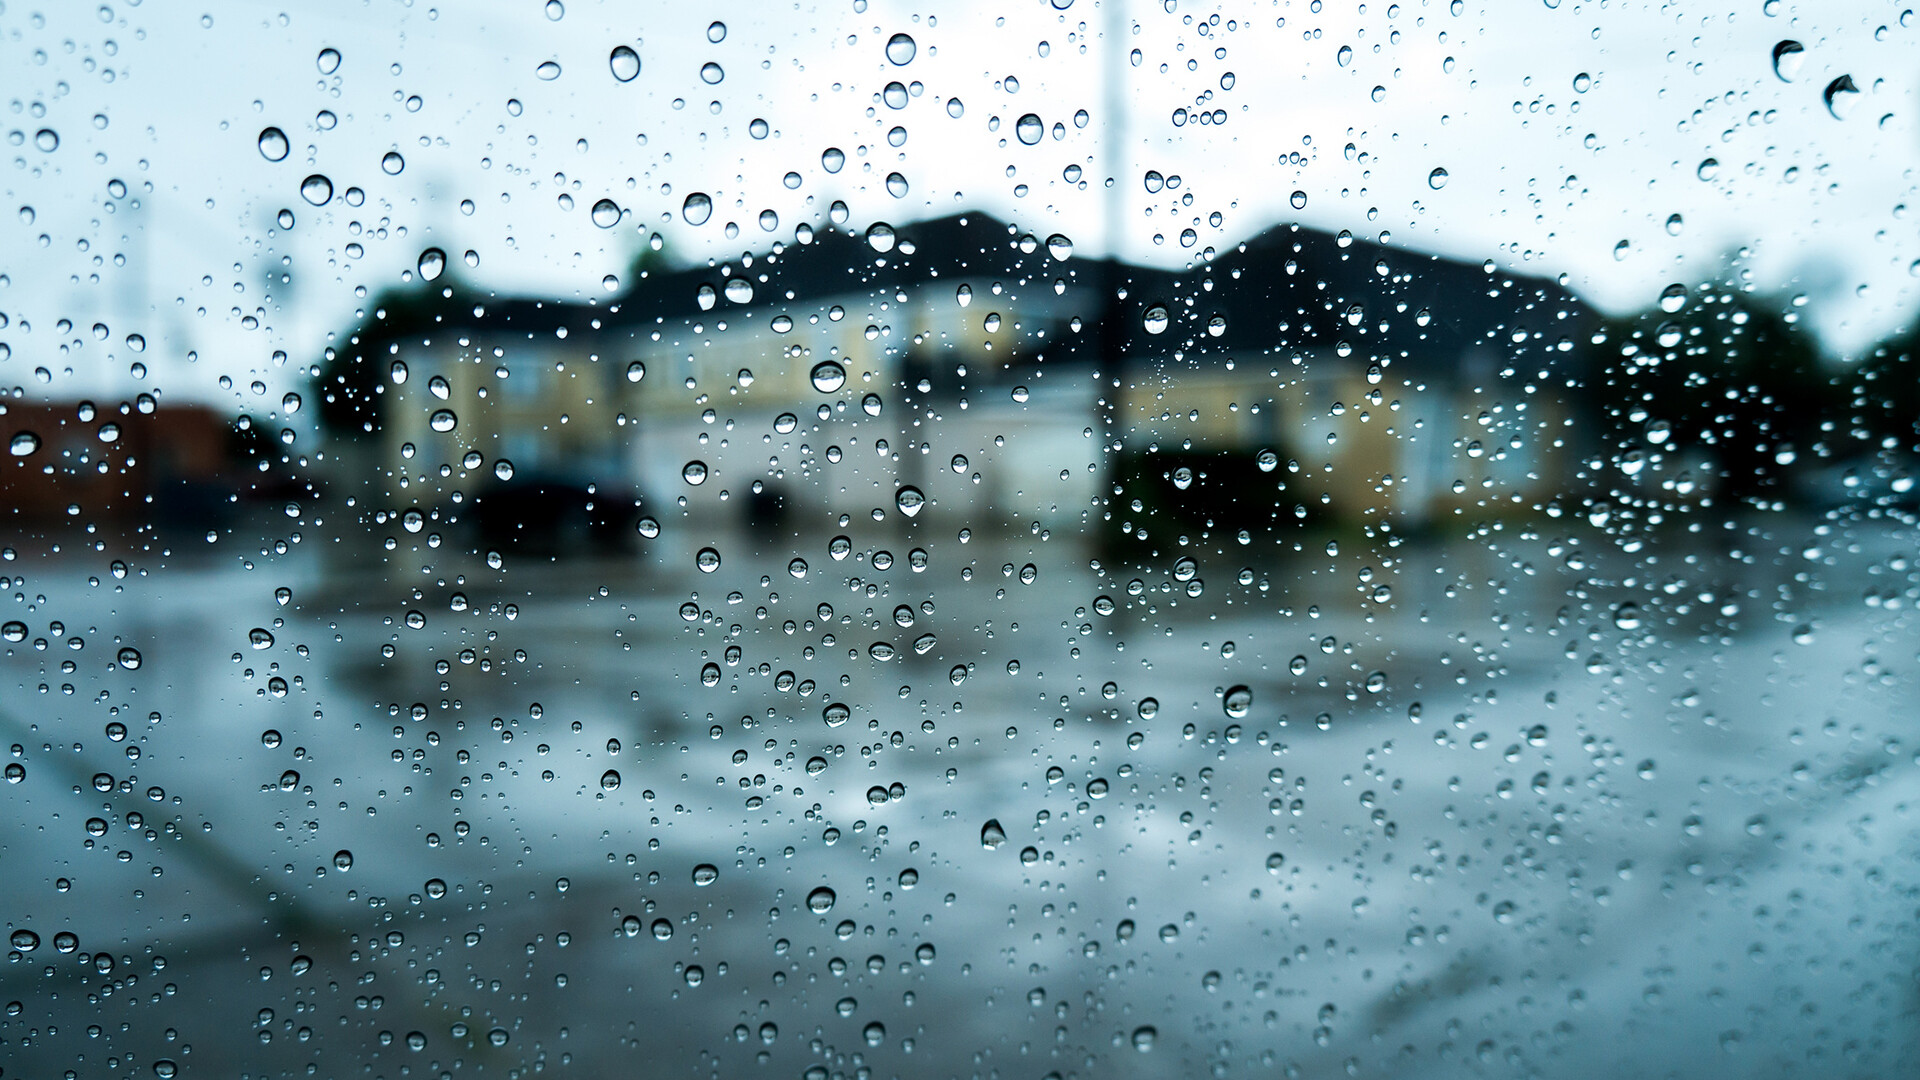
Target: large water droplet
[(1840, 96), (711, 73), (547, 71), (1060, 247), (129, 658), (273, 144), (694, 473), (1238, 702), (610, 780), (328, 61), (820, 901), (24, 443), (433, 263), (1155, 320), (1029, 129), (880, 236), (833, 159), (443, 420), (343, 859), (1789, 57), (606, 213), (317, 189), (705, 874), (900, 50), (739, 290), (624, 62), (260, 638), (392, 163), (992, 835), (828, 376), (1673, 298), (908, 500), (1437, 179), (697, 208)]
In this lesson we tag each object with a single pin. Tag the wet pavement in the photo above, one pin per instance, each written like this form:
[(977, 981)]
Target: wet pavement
[(1511, 803)]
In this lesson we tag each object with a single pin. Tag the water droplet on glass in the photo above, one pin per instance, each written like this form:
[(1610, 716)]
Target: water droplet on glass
[(1840, 96), (694, 473), (1789, 57), (1029, 129), (880, 236), (624, 62), (343, 859), (1709, 168), (1060, 247), (1673, 298), (697, 208), (871, 404), (606, 213), (900, 50), (785, 423), (705, 874), (23, 444), (833, 159), (1238, 702), (1155, 320), (739, 290), (547, 71), (835, 714), (610, 780), (433, 262), (636, 371), (129, 658), (828, 376), (443, 420), (716, 32), (708, 560), (909, 500), (328, 61), (1674, 224), (392, 163), (503, 469), (992, 835), (273, 144), (711, 73), (821, 900), (316, 189), (260, 638), (1148, 708), (1437, 179)]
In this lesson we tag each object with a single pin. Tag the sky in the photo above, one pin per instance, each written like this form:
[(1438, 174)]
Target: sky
[(1573, 137)]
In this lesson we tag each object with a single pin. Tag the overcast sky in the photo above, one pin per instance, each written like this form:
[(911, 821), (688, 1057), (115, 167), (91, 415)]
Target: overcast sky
[(1570, 134)]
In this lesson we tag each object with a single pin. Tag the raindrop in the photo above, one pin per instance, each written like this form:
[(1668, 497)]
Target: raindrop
[(443, 420), (1709, 168), (25, 940), (343, 859), (606, 213), (711, 73), (328, 61), (13, 632), (909, 500), (900, 50), (1148, 708), (1673, 298), (391, 163), (705, 874), (624, 62), (610, 780), (707, 559), (992, 835), (785, 423), (1060, 247), (716, 32), (1298, 200), (871, 404), (24, 443), (821, 900), (260, 638), (316, 189), (503, 469), (835, 714), (694, 472), (1840, 96), (1437, 179), (697, 209), (1155, 320), (739, 290), (828, 376), (433, 262), (1238, 702), (129, 658), (290, 404), (833, 159), (1143, 1038), (273, 144), (1029, 129), (1789, 57), (1674, 224), (880, 236), (547, 71)]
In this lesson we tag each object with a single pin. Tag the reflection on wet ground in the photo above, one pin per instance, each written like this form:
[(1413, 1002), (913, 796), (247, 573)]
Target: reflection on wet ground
[(1479, 806)]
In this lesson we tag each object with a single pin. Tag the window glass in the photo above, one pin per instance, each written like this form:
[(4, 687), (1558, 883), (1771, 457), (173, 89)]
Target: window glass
[(866, 539)]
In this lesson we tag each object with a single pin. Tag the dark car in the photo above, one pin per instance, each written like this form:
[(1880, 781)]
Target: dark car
[(557, 516)]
